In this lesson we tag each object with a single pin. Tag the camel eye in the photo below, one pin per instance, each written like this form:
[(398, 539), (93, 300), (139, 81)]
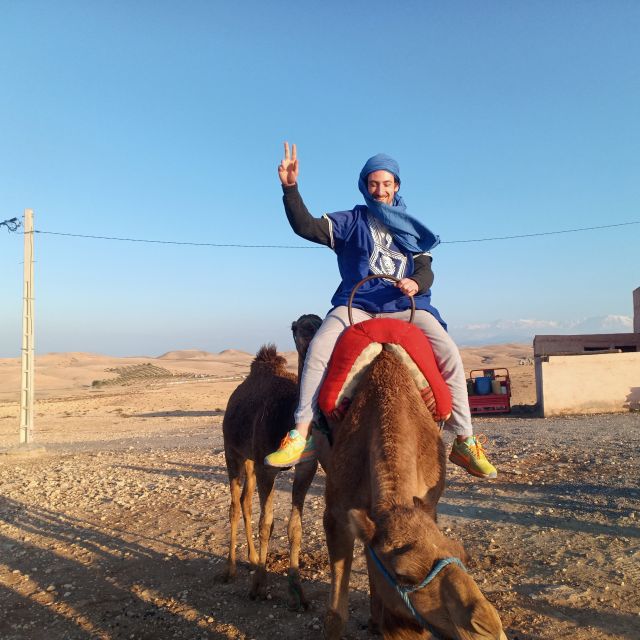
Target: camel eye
[(405, 548), (405, 579)]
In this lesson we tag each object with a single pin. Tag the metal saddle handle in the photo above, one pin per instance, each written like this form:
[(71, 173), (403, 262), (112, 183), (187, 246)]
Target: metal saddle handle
[(371, 277)]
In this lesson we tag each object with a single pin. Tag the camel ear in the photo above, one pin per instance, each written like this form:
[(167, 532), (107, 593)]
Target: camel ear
[(419, 503), (294, 326), (361, 525)]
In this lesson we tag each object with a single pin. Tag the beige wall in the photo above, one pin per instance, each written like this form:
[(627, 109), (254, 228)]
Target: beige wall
[(597, 383)]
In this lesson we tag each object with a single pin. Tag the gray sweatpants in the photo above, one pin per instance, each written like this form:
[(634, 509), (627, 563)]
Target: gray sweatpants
[(444, 348)]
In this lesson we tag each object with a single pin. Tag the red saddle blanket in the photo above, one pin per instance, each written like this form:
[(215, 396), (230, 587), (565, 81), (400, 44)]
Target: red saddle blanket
[(359, 345)]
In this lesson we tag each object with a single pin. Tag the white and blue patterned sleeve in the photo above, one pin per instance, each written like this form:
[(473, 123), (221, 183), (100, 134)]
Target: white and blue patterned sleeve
[(340, 226)]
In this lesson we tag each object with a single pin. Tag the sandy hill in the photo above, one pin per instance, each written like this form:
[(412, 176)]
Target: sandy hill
[(232, 353), (60, 374), (187, 354), (497, 355)]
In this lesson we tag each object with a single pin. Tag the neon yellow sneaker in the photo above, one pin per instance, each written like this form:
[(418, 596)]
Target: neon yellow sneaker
[(293, 449), (470, 456)]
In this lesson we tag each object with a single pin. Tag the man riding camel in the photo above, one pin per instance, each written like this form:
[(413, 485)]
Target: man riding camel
[(381, 238)]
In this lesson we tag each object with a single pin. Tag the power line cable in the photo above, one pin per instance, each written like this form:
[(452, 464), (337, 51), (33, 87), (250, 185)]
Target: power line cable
[(192, 244), (280, 246), (12, 224), (544, 233)]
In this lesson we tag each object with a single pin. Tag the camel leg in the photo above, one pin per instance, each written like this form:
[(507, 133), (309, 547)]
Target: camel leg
[(323, 449), (235, 472), (266, 480), (302, 479), (340, 547), (246, 500), (376, 606)]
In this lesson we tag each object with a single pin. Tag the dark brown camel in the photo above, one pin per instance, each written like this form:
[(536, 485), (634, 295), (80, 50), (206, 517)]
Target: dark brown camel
[(258, 415), (386, 474)]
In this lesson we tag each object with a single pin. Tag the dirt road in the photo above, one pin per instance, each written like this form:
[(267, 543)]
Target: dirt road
[(119, 529)]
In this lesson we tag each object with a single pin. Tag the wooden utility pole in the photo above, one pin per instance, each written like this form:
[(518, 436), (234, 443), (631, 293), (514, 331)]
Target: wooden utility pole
[(28, 364)]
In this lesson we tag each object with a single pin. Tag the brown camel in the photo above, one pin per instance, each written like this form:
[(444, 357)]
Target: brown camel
[(386, 474), (258, 415)]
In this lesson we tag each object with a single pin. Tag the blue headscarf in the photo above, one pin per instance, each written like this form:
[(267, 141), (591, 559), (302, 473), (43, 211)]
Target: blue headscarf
[(408, 232)]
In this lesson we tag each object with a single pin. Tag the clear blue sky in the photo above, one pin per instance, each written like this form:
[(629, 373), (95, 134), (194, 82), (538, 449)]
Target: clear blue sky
[(165, 120)]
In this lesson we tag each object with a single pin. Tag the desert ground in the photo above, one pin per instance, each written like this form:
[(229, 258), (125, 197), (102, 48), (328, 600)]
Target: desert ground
[(115, 523)]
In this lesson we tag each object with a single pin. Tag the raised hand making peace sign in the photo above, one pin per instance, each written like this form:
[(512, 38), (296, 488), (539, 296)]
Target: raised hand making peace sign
[(288, 168)]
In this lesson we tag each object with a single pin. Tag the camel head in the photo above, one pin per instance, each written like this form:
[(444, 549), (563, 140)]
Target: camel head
[(408, 543), (303, 329)]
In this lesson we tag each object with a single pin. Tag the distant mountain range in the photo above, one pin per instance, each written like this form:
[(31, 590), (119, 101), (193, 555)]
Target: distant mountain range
[(524, 330)]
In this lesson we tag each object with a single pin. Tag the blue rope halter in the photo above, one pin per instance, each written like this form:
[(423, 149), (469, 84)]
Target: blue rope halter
[(404, 592)]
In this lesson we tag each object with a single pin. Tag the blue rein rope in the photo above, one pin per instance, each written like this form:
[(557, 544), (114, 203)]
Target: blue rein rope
[(404, 592)]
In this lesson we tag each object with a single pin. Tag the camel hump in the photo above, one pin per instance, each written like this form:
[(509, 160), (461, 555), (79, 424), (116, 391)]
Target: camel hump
[(268, 359), (388, 377)]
